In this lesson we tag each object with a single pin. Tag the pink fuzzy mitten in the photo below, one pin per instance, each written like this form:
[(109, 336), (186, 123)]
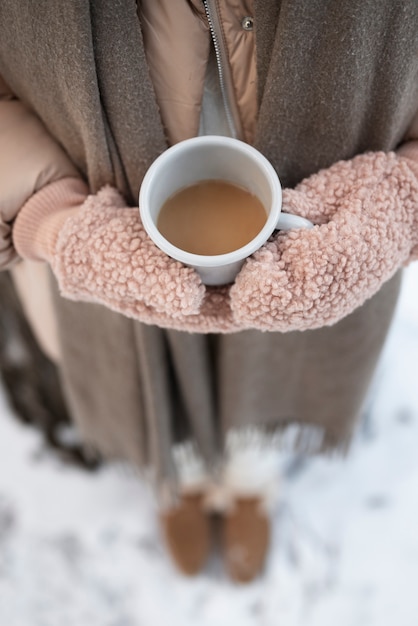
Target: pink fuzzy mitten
[(366, 211), (100, 252)]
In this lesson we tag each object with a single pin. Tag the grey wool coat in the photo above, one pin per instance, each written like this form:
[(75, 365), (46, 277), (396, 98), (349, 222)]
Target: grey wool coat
[(335, 79)]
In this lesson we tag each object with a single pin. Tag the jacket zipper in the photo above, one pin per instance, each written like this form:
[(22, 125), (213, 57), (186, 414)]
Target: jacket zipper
[(224, 72)]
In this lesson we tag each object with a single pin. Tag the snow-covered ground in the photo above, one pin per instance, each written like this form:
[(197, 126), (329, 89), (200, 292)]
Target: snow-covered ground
[(83, 550)]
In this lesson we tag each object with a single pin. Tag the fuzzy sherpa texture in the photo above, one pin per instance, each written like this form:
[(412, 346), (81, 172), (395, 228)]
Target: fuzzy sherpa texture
[(366, 210), (366, 216), (103, 255)]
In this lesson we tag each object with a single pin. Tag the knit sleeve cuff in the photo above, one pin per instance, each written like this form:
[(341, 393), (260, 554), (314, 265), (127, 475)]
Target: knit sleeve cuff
[(39, 221)]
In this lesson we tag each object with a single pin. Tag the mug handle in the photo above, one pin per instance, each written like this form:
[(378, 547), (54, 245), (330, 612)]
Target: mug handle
[(287, 221)]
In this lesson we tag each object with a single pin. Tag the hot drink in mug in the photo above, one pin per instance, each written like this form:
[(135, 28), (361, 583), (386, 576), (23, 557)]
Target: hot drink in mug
[(210, 202)]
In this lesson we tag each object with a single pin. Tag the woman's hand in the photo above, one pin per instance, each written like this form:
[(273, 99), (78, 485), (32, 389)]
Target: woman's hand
[(99, 252), (367, 210)]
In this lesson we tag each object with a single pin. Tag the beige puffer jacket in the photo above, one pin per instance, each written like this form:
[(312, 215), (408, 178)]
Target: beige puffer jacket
[(25, 140)]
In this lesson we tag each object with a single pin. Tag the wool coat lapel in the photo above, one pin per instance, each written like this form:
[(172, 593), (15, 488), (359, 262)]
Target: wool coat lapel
[(132, 122), (328, 85), (81, 66)]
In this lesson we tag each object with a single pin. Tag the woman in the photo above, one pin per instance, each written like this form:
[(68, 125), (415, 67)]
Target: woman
[(92, 93)]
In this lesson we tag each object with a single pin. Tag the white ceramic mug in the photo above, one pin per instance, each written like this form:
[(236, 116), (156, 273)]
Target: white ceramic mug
[(213, 157)]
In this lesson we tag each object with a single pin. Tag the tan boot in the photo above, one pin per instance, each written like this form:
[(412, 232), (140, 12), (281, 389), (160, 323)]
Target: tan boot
[(186, 531), (246, 539)]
